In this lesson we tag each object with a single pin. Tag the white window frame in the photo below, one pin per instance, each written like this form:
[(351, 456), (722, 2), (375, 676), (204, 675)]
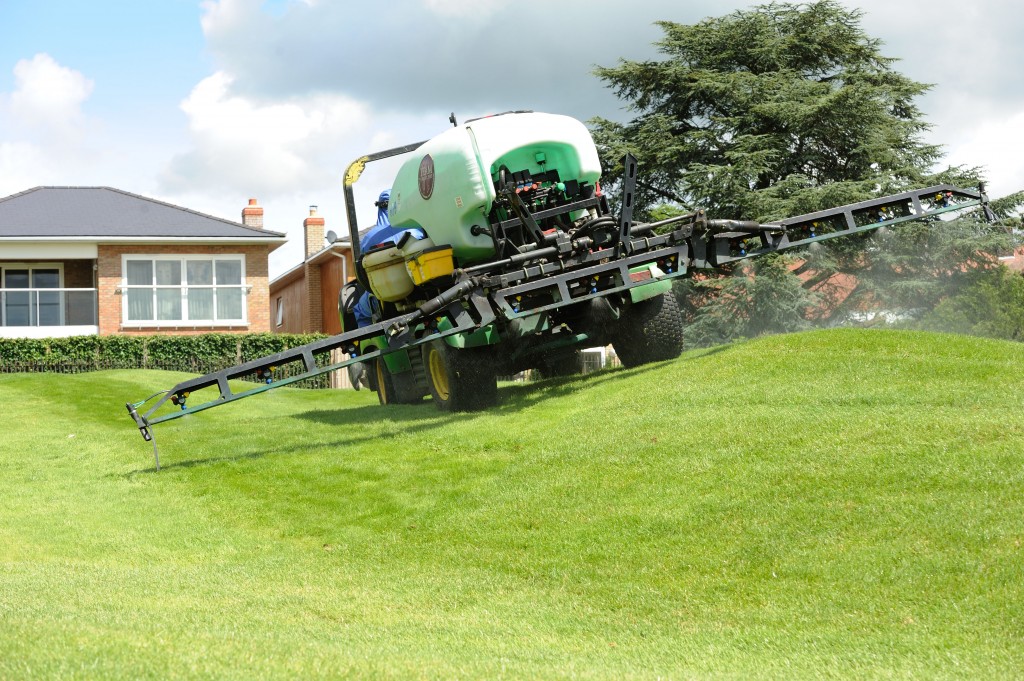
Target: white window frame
[(279, 315), (59, 266), (184, 286)]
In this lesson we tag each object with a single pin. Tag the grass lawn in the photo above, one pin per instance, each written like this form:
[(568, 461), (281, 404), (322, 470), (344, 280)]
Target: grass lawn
[(830, 504)]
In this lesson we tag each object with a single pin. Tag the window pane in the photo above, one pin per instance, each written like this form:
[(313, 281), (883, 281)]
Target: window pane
[(140, 304), (200, 272), (45, 278), (49, 307), (16, 308), (229, 303), (140, 272), (168, 272), (168, 304), (229, 272), (16, 278), (200, 303)]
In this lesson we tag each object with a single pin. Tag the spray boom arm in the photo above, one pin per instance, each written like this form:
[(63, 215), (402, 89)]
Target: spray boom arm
[(562, 271)]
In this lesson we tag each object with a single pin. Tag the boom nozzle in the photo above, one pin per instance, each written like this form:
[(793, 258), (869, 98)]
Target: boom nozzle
[(140, 421)]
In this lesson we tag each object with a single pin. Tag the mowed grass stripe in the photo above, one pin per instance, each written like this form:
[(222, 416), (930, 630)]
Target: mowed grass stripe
[(842, 503)]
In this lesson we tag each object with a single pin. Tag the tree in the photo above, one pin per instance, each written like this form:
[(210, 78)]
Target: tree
[(991, 305), (777, 111), (762, 297)]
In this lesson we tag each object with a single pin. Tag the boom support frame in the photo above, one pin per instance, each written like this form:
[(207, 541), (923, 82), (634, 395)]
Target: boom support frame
[(547, 278)]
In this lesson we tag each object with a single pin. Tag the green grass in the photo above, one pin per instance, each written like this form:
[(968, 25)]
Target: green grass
[(832, 504)]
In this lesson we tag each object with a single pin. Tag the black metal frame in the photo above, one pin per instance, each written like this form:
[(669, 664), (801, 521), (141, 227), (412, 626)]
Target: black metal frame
[(726, 239), (352, 173), (559, 270)]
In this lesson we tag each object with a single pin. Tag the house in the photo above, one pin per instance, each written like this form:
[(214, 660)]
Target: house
[(1015, 261), (305, 298), (99, 260)]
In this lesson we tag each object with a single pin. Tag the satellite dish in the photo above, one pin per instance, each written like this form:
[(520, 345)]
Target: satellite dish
[(331, 237)]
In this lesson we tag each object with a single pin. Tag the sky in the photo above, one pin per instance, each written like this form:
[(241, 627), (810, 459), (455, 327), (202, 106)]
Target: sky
[(205, 104)]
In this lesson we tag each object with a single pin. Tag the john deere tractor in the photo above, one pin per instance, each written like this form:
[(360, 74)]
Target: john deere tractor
[(514, 203), (505, 256)]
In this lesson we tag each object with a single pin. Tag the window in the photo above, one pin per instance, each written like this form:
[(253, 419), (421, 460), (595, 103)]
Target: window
[(25, 302), (279, 319), (200, 290)]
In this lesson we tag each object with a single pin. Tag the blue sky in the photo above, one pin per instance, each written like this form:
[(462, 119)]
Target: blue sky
[(206, 104), (144, 57)]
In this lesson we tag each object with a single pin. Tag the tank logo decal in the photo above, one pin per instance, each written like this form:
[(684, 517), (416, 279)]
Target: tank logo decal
[(426, 177), (458, 202)]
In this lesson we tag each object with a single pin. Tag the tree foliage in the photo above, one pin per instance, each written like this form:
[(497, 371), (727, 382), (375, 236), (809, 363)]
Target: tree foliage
[(766, 113), (762, 297), (992, 304), (781, 110)]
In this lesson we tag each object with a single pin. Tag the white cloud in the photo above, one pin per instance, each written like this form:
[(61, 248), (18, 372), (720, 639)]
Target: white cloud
[(470, 56), (986, 145), (472, 10), (43, 131), (288, 152), (22, 166), (241, 143), (219, 15), (49, 95)]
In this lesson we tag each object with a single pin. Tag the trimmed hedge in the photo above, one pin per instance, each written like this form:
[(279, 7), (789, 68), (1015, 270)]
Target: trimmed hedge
[(198, 354)]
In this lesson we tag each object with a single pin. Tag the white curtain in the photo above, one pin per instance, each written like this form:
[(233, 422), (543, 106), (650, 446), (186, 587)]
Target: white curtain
[(140, 300), (158, 289), (200, 300)]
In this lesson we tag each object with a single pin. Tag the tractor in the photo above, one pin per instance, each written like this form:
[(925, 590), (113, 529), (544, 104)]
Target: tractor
[(503, 254)]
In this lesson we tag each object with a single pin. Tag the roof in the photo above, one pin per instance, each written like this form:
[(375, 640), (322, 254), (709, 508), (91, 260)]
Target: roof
[(105, 212)]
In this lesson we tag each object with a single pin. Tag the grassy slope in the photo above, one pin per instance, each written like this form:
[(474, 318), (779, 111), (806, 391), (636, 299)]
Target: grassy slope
[(826, 504)]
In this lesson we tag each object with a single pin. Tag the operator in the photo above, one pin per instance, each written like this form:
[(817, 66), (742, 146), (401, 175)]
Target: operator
[(380, 233)]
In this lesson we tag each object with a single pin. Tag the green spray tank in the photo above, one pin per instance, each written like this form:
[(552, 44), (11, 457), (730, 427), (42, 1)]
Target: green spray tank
[(447, 186)]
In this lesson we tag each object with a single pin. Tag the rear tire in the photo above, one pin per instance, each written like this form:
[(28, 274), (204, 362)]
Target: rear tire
[(392, 388), (649, 331), (460, 379)]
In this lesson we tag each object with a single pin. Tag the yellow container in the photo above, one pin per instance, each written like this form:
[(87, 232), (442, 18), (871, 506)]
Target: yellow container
[(431, 264), (389, 280)]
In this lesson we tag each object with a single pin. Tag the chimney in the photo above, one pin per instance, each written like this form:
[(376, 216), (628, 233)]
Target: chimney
[(252, 215), (313, 226)]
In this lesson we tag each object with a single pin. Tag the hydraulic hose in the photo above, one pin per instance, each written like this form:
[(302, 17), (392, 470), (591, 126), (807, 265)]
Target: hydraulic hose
[(447, 297)]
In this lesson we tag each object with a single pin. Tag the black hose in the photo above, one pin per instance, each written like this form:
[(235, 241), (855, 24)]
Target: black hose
[(590, 225), (513, 260), (449, 296)]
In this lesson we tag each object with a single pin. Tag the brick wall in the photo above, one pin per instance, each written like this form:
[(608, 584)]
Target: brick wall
[(78, 274), (252, 215), (312, 314), (109, 281)]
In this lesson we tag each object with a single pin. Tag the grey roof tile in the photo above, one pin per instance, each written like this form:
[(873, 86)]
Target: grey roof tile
[(105, 212)]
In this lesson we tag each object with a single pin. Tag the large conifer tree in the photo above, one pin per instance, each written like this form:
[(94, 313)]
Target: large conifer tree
[(776, 111), (769, 112)]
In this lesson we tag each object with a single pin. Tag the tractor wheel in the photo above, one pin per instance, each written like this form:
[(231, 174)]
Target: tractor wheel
[(460, 379), (561, 364), (396, 388), (649, 331)]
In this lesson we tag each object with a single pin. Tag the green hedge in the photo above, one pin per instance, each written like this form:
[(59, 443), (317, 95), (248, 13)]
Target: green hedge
[(199, 354)]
